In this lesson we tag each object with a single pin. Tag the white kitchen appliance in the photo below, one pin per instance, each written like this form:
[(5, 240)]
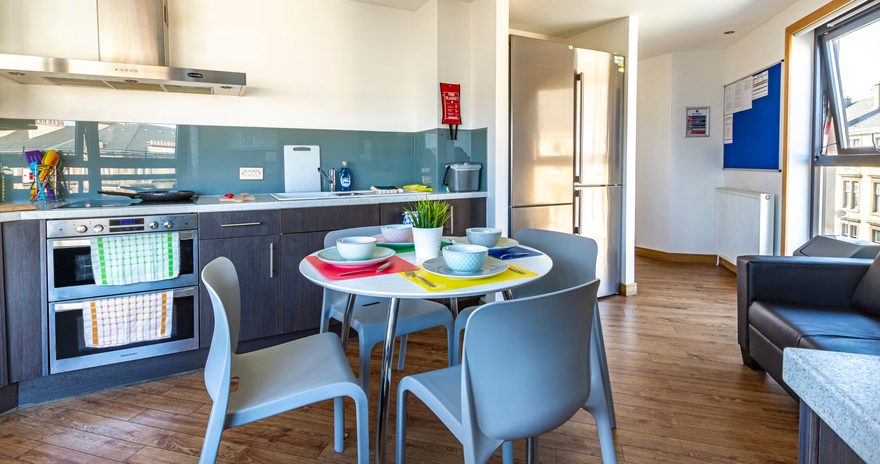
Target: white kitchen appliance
[(567, 144), (301, 163)]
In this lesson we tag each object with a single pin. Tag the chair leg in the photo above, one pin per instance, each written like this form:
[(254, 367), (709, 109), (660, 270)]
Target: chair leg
[(339, 424), (600, 380), (402, 355), (450, 342), (507, 452), (400, 438), (457, 330), (364, 365), (363, 429), (211, 444), (606, 434)]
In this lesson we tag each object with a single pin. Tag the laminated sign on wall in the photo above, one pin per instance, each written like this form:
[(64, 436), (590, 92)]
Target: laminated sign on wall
[(697, 124)]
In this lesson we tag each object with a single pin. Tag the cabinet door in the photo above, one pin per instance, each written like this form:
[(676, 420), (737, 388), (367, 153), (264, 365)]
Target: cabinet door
[(256, 260), (391, 213), (300, 298), (25, 306), (466, 212), (295, 220)]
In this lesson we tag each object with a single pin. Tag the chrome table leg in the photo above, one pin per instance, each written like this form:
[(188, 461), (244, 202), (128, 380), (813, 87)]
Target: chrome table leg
[(453, 305), (385, 383), (346, 320)]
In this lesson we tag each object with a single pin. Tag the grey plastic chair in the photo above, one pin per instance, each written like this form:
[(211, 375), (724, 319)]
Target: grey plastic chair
[(525, 371), (369, 315), (574, 262), (272, 380)]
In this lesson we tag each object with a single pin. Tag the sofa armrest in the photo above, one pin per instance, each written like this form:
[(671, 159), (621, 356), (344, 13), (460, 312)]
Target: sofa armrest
[(796, 280)]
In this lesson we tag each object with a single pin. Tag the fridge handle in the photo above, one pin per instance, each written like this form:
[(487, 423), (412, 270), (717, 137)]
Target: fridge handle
[(577, 211), (578, 118)]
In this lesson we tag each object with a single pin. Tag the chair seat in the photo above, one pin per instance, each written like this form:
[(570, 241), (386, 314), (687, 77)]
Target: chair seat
[(440, 390), (287, 376), (412, 316)]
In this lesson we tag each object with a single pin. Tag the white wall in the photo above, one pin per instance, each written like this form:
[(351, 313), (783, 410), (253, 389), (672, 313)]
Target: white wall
[(677, 175), (329, 64)]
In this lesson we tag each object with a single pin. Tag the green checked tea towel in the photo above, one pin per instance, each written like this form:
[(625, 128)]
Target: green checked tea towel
[(135, 258)]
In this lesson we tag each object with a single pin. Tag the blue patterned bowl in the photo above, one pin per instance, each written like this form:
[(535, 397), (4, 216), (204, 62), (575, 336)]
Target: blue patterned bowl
[(484, 236), (465, 258)]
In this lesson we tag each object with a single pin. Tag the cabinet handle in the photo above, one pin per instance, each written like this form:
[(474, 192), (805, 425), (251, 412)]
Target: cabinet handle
[(242, 224), (271, 260)]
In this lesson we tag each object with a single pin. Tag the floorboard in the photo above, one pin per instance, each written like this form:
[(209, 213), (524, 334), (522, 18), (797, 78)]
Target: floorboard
[(681, 394)]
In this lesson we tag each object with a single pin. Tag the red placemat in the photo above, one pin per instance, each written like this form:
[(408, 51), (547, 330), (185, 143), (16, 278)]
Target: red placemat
[(332, 272)]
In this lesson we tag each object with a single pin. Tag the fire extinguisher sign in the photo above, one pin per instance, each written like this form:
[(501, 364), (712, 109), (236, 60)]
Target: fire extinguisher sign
[(451, 99)]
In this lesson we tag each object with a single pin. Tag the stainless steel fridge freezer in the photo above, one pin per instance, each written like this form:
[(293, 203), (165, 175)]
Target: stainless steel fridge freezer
[(567, 144)]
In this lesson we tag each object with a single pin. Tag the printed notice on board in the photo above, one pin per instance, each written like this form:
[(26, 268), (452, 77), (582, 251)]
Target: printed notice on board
[(728, 128), (728, 99), (738, 96), (760, 84)]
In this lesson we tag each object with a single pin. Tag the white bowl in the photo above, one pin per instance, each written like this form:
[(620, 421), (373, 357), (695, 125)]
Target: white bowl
[(397, 233), (356, 248), (465, 258)]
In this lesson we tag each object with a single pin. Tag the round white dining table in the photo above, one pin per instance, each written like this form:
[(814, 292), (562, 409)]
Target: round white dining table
[(396, 287)]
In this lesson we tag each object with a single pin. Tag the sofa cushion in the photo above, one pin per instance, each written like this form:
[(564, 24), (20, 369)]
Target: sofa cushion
[(786, 324), (867, 294), (849, 345)]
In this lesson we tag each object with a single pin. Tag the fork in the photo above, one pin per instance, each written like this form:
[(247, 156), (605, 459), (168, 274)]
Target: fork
[(412, 274)]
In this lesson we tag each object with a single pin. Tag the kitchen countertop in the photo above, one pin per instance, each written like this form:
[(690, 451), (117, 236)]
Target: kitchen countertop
[(211, 204), (844, 390)]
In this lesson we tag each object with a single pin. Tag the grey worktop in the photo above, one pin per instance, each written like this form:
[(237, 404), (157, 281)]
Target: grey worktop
[(211, 204), (844, 390)]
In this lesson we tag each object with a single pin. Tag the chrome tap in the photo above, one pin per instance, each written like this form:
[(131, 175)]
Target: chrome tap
[(331, 178)]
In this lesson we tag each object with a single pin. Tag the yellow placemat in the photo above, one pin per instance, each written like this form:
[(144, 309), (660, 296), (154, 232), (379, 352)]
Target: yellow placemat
[(443, 284)]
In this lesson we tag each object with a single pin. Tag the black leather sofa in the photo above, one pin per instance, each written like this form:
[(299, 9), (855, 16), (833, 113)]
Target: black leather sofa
[(804, 302)]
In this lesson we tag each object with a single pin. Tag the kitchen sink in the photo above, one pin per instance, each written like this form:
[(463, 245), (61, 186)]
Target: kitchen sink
[(293, 196)]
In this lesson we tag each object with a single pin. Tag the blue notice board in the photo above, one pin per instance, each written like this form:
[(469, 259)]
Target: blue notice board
[(756, 131)]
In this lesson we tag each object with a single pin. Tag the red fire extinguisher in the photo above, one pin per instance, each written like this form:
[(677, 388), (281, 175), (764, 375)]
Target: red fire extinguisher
[(451, 99)]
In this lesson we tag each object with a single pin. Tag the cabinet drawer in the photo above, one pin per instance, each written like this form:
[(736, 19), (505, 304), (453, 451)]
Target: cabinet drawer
[(328, 218), (238, 224)]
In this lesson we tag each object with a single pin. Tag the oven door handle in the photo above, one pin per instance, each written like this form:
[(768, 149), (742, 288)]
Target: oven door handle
[(78, 243), (78, 305)]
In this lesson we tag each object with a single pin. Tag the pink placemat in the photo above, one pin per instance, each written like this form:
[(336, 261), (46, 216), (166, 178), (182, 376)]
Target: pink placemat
[(332, 272)]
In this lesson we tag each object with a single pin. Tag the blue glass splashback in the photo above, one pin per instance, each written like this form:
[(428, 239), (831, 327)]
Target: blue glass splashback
[(206, 159)]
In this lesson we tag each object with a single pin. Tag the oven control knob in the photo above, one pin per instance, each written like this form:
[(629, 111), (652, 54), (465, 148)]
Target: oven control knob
[(168, 224), (82, 229), (98, 228), (153, 225)]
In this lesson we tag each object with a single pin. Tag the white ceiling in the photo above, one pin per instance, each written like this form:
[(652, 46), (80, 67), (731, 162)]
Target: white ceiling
[(411, 5), (664, 25)]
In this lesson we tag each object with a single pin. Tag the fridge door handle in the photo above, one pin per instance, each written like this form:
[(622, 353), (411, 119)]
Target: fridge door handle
[(577, 212), (578, 121)]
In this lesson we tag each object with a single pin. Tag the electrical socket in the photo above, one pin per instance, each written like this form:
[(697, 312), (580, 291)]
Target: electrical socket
[(250, 173)]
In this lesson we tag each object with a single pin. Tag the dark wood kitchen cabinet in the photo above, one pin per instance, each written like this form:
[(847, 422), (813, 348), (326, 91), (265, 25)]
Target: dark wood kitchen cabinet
[(4, 370), (300, 297), (257, 260), (466, 212), (24, 290)]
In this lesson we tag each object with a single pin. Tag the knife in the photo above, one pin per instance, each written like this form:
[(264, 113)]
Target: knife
[(378, 269)]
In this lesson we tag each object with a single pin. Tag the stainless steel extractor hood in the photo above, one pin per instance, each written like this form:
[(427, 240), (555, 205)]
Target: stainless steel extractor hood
[(133, 55)]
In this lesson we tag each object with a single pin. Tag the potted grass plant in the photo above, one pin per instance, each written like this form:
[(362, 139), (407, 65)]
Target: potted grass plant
[(428, 217)]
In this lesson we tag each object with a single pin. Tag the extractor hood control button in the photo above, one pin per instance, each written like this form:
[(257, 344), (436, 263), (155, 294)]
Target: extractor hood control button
[(98, 228), (153, 225), (82, 229), (168, 224)]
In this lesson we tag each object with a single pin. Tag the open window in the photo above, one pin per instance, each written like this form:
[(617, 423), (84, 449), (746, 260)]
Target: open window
[(846, 131)]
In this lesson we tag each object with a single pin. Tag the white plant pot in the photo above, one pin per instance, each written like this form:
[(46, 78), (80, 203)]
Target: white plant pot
[(427, 242)]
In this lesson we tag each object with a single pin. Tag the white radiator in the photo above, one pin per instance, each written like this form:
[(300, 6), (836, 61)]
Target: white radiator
[(744, 223)]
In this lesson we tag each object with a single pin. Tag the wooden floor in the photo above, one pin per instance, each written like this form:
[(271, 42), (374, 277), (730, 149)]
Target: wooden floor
[(680, 391)]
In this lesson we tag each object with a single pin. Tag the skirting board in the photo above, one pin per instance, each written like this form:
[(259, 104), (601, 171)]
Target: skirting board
[(687, 258), (630, 289), (675, 257)]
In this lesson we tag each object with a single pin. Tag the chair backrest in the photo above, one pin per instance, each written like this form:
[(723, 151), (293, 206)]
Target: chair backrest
[(526, 363), (221, 281), (574, 260), (331, 237)]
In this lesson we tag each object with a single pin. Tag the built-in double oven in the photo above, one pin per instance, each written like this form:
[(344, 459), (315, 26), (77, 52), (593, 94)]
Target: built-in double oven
[(73, 289)]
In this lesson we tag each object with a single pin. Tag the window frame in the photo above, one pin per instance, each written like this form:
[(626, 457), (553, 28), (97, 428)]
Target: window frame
[(875, 195), (825, 85)]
